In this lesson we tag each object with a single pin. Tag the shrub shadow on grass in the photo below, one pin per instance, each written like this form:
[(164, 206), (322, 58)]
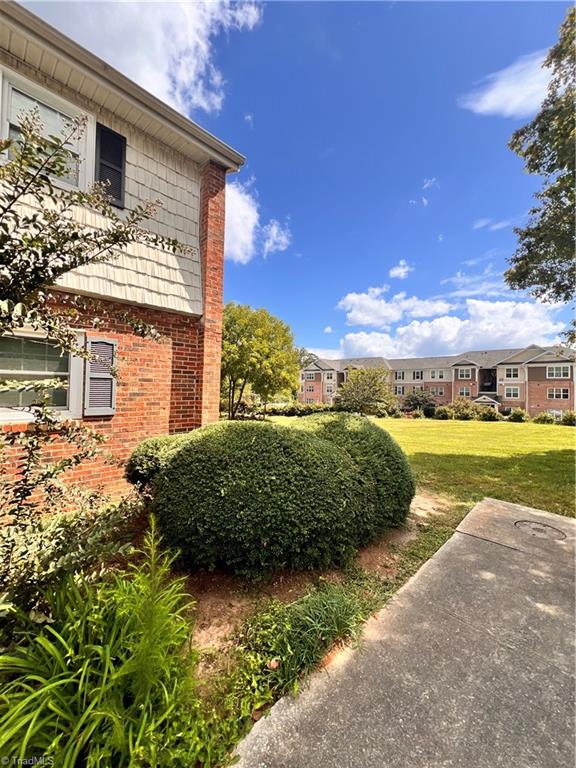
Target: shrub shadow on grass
[(544, 480)]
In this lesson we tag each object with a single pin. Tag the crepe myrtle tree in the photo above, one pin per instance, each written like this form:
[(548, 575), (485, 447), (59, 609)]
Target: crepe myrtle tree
[(366, 391), (258, 353), (41, 239)]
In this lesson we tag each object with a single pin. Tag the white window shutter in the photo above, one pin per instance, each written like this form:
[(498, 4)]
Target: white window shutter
[(100, 384)]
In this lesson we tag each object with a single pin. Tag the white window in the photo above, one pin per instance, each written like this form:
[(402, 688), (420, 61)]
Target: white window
[(310, 376), (399, 375), (558, 393), (512, 373), (329, 389), (21, 96), (417, 388), (90, 386), (464, 392), (417, 375), (433, 374), (440, 391), (558, 372), (512, 393), (329, 376), (437, 374), (433, 391), (398, 389), (309, 387), (441, 374), (310, 400), (464, 373)]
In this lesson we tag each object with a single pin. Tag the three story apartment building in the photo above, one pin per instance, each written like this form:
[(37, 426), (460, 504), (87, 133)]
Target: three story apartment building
[(534, 378), (145, 150)]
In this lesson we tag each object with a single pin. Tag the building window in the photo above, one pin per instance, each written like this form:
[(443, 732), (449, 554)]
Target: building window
[(437, 374), (309, 387), (464, 392), (417, 375), (310, 376), (398, 389), (558, 393), (329, 376), (329, 389), (433, 391), (399, 375), (512, 393), (464, 373), (558, 372), (30, 359), (417, 388), (110, 163), (22, 96), (512, 373), (309, 400), (440, 391)]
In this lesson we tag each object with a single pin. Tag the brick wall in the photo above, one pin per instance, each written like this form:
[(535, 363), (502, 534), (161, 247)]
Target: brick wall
[(165, 386)]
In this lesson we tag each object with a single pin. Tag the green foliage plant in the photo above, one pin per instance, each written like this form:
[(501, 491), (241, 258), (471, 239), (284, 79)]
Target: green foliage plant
[(544, 418), (568, 419), (518, 415), (255, 497), (365, 391), (379, 457)]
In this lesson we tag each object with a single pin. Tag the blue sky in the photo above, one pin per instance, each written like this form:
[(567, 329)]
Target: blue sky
[(376, 208)]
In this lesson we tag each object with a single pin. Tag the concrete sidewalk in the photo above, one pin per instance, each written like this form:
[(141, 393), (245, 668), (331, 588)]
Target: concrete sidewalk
[(471, 665)]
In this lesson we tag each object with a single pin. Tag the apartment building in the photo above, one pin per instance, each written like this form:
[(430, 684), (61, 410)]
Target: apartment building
[(534, 378), (146, 151)]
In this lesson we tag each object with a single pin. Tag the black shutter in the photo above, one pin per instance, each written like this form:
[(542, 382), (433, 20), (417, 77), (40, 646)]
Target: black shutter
[(111, 162)]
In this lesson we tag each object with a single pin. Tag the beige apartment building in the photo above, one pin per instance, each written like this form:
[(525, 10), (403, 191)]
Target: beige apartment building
[(534, 378)]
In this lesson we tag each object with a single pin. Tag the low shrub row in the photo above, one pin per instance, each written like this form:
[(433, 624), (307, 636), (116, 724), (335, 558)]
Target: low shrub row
[(467, 411), (255, 497)]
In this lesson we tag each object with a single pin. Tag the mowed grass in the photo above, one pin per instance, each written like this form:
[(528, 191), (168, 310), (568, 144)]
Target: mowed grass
[(531, 464)]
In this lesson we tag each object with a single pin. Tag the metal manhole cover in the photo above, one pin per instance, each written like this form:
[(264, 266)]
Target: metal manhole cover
[(541, 530)]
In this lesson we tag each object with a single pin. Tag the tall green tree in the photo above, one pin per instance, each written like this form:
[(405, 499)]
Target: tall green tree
[(366, 391), (257, 351), (544, 261)]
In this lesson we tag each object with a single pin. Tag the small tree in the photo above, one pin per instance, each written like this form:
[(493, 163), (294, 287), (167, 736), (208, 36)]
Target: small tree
[(366, 391), (420, 400), (257, 351), (544, 260)]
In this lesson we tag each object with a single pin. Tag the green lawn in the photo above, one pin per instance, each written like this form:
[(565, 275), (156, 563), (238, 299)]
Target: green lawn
[(532, 464)]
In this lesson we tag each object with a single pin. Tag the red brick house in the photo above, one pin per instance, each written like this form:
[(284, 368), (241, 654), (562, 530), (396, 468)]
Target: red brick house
[(534, 378), (146, 150)]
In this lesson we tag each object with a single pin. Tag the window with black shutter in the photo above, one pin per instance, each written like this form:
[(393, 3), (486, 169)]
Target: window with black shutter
[(110, 162)]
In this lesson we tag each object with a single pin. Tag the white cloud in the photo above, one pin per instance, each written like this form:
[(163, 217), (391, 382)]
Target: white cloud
[(249, 118), (429, 183), (166, 47), (492, 225), (481, 223), (500, 225), (370, 308), (487, 324), (485, 283), (413, 202), (515, 91), (277, 237), (425, 202), (245, 235), (328, 329), (242, 222), (326, 353), (440, 238), (401, 270)]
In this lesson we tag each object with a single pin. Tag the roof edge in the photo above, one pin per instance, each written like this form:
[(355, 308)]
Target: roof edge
[(218, 150)]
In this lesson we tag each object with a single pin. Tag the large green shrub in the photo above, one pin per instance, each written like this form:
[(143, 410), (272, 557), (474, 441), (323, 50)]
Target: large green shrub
[(569, 418), (379, 457), (518, 415), (144, 463), (544, 418), (254, 497), (487, 413), (444, 412)]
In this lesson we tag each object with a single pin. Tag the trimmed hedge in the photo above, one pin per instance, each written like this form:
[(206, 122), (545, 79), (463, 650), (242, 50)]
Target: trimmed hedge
[(144, 463), (379, 457), (255, 497), (518, 415)]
